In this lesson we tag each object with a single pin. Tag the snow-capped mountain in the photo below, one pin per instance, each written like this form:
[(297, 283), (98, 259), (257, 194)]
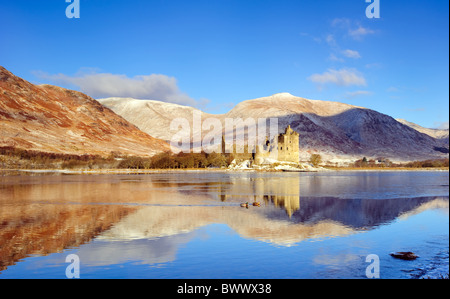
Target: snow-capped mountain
[(335, 130)]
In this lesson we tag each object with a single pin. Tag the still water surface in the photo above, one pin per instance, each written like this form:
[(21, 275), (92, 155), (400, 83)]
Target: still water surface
[(191, 224)]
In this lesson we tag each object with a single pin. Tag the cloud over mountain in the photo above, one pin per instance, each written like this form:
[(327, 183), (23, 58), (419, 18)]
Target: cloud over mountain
[(99, 85), (52, 119), (341, 77)]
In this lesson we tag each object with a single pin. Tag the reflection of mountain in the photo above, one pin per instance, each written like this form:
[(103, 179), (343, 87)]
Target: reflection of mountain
[(148, 251), (335, 218), (42, 215), (158, 222), (153, 235), (43, 229), (46, 214), (361, 213)]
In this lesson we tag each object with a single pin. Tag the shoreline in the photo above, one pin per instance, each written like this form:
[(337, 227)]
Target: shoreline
[(151, 171)]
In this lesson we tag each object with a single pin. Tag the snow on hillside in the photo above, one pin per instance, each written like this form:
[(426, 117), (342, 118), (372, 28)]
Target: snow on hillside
[(339, 132)]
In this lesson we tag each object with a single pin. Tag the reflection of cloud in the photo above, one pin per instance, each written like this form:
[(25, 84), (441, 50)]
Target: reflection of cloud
[(158, 222), (146, 219), (144, 251), (439, 203), (336, 260)]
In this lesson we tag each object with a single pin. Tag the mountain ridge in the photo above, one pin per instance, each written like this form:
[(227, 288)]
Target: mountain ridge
[(54, 119), (337, 131), (49, 118), (442, 134)]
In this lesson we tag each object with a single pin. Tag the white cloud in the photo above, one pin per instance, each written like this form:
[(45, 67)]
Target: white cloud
[(419, 109), (352, 28), (351, 54), (342, 77), (441, 125), (374, 65), (340, 22), (358, 93), (392, 89), (360, 32), (331, 41), (333, 57), (100, 85)]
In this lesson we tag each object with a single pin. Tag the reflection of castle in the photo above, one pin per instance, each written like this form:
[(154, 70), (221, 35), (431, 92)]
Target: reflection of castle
[(283, 193), (284, 148)]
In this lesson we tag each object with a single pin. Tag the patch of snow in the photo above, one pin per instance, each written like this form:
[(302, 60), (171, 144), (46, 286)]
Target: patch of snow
[(242, 165)]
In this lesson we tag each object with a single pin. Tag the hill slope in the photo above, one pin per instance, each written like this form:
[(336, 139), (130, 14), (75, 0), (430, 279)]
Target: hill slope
[(440, 134), (52, 119), (337, 131)]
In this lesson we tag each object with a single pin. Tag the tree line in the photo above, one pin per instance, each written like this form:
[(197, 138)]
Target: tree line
[(11, 157), (383, 162), (177, 161)]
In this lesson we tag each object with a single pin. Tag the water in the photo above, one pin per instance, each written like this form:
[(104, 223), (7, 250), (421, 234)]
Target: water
[(191, 225)]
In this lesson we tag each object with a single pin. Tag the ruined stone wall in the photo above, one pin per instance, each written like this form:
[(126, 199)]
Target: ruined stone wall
[(286, 149)]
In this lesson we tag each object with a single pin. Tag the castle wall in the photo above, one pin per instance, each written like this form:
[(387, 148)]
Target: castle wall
[(286, 149)]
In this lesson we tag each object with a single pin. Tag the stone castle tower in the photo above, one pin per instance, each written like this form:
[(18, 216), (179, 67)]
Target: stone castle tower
[(288, 147), (285, 149)]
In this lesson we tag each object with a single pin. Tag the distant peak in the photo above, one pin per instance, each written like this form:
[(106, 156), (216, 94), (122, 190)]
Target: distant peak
[(283, 94)]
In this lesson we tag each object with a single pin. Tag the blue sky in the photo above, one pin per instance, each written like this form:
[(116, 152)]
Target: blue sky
[(213, 54)]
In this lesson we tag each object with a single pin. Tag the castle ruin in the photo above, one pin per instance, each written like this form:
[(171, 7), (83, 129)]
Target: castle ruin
[(284, 149)]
